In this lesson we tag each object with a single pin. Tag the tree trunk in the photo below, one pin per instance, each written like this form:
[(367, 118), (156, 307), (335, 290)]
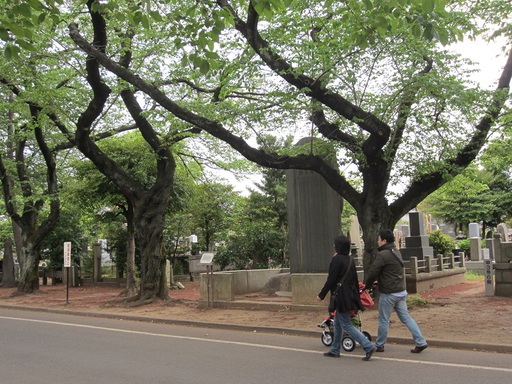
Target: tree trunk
[(373, 217), (149, 223), (29, 276)]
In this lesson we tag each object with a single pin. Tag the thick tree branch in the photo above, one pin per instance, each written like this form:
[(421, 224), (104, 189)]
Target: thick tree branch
[(270, 160), (379, 131)]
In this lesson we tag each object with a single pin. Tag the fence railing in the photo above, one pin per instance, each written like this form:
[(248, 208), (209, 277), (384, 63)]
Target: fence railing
[(430, 264)]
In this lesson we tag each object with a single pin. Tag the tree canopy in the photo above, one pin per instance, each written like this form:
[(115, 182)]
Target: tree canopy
[(372, 80)]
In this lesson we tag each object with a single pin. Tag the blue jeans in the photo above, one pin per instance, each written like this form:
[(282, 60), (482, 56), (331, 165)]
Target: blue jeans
[(387, 303), (342, 322)]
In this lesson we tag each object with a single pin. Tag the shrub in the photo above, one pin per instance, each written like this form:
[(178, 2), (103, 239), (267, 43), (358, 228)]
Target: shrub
[(416, 301), (465, 246), (442, 243)]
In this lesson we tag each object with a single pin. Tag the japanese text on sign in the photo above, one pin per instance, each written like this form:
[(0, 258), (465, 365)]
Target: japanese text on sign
[(67, 254)]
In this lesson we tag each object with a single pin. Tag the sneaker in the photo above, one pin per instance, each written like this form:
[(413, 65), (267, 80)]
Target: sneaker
[(418, 349)]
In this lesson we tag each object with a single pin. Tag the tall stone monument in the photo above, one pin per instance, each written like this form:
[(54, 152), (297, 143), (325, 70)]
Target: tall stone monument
[(416, 244), (314, 220)]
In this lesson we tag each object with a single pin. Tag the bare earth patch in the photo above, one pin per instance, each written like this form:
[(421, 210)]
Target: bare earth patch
[(458, 313)]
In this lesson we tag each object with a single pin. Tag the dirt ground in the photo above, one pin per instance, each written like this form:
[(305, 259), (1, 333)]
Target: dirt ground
[(458, 313)]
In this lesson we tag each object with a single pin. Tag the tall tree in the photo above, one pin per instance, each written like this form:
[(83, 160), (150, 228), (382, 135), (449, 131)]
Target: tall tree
[(374, 82), (38, 212)]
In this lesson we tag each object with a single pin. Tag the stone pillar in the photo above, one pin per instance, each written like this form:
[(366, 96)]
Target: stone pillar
[(489, 243), (168, 267), (8, 276), (417, 243), (96, 274), (314, 220)]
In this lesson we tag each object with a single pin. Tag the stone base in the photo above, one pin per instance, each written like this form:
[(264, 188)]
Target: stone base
[(306, 286), (419, 252)]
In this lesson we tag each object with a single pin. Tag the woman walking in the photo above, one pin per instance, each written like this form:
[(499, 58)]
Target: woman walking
[(343, 271)]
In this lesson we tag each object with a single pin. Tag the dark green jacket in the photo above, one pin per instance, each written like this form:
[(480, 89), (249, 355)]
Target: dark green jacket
[(387, 271)]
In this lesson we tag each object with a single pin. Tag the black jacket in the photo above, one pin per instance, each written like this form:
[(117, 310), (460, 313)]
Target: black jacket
[(348, 297), (387, 270)]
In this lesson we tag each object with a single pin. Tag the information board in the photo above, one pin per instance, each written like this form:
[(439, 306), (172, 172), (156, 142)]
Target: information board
[(207, 258), (67, 254)]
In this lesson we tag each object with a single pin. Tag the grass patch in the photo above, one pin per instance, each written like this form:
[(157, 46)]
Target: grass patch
[(473, 276), (416, 300)]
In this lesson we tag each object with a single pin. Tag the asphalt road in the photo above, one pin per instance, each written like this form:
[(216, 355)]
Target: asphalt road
[(39, 347)]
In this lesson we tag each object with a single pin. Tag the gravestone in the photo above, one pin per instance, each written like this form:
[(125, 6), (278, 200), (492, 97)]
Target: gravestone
[(314, 220), (405, 230), (417, 245), (475, 242), (503, 231), (355, 238)]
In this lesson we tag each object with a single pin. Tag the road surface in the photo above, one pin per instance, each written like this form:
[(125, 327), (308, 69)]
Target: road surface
[(39, 347)]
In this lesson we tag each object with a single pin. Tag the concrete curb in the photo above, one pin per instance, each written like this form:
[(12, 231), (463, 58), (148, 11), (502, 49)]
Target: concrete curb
[(501, 348)]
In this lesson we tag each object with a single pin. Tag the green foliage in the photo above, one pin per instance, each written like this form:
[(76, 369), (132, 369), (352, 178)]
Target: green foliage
[(473, 276), (442, 243), (476, 195), (465, 246), (255, 246), (416, 301), (69, 228)]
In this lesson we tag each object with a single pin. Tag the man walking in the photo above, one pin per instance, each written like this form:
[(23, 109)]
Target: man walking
[(388, 270)]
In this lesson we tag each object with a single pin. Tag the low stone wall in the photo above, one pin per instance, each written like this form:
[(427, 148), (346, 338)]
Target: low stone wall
[(425, 282), (228, 284)]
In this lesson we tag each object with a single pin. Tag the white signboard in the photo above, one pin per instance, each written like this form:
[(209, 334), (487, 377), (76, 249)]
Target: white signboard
[(67, 254), (207, 258)]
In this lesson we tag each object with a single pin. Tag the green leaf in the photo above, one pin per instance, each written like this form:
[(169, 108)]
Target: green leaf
[(16, 30), (429, 5), (137, 17), (25, 10), (41, 18), (4, 35), (155, 15), (416, 30), (368, 4), (35, 4), (204, 67), (26, 45), (145, 21), (11, 52)]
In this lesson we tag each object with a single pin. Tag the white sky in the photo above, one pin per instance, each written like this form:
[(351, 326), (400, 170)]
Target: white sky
[(488, 56)]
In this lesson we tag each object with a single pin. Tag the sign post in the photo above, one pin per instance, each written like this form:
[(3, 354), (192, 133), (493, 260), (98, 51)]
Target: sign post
[(207, 259), (488, 275), (67, 264)]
